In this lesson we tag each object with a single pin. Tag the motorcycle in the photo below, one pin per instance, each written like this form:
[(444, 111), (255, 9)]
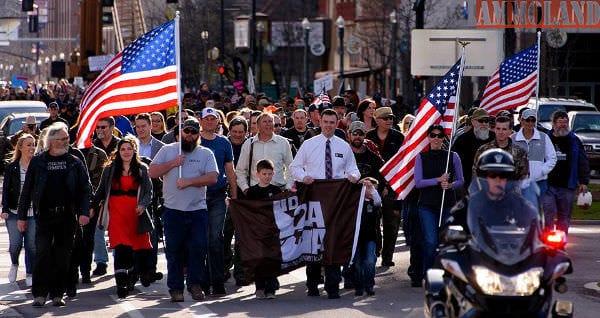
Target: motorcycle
[(502, 265)]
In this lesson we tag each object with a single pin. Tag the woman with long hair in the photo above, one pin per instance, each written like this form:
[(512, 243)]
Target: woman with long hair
[(405, 124), (366, 113), (126, 190), (14, 177)]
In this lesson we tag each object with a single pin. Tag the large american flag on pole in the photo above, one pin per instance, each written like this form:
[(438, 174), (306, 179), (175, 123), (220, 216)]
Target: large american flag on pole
[(141, 78), (434, 109), (512, 83)]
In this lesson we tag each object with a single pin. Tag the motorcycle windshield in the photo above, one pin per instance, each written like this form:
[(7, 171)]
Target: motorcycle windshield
[(503, 224)]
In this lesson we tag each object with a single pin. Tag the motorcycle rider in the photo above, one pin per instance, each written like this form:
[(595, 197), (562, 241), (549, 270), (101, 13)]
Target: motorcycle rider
[(503, 202)]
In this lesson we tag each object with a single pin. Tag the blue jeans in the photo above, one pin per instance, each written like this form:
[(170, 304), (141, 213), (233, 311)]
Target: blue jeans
[(100, 252), (215, 201), (429, 228), (17, 240), (558, 202), (185, 231), (364, 263), (532, 194)]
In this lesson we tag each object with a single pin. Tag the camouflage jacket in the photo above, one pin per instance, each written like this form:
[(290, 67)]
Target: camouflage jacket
[(519, 156)]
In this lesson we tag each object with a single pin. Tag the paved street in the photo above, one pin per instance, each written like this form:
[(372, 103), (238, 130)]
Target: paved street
[(393, 296)]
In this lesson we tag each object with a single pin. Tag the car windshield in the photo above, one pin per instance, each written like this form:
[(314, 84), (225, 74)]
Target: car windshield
[(503, 224), (586, 123), (547, 110)]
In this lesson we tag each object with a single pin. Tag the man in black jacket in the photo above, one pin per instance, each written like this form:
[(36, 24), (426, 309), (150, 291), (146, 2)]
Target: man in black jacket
[(58, 186)]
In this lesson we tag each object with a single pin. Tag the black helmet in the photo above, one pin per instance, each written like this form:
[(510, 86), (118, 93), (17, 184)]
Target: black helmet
[(496, 160)]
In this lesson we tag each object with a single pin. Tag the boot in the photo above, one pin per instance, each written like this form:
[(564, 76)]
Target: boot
[(122, 282), (100, 269)]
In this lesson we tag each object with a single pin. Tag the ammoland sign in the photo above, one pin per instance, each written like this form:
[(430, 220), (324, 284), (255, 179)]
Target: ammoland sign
[(537, 14)]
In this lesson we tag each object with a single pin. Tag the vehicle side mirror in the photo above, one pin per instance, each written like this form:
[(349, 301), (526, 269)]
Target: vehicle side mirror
[(456, 234)]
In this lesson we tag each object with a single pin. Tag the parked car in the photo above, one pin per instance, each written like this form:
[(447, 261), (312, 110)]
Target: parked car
[(548, 105), (21, 106), (586, 125), (12, 123)]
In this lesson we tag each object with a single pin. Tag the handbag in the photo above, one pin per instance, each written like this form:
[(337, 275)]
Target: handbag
[(584, 200), (145, 223)]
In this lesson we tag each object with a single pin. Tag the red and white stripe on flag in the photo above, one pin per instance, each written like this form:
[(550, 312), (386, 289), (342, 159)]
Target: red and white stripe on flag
[(141, 78)]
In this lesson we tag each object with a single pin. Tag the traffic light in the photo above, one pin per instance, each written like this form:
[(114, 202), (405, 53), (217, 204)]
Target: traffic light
[(27, 5), (33, 23), (221, 70)]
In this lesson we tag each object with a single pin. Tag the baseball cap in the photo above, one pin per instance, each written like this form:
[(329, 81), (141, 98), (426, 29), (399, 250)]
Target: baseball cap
[(263, 102), (357, 125), (191, 123), (529, 113), (312, 108), (209, 111), (480, 113), (53, 105), (383, 112)]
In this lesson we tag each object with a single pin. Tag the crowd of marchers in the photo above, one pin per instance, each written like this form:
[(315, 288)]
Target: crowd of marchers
[(167, 177)]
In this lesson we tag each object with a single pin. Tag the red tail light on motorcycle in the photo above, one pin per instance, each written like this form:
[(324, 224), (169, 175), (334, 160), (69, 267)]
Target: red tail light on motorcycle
[(555, 238)]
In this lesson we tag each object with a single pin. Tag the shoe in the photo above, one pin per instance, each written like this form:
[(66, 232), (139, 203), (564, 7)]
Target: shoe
[(197, 293), (157, 276), (206, 291), (370, 291), (416, 283), (333, 295), (260, 294), (147, 279), (270, 295), (100, 269), (12, 273), (29, 280), (387, 263), (58, 302), (218, 290), (122, 291), (358, 292), (176, 296), (313, 292), (71, 292), (39, 301), (85, 278)]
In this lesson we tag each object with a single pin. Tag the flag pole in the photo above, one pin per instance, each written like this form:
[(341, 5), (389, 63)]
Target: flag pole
[(454, 120), (178, 62), (537, 82)]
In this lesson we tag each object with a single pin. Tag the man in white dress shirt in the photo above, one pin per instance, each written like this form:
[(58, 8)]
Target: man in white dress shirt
[(315, 161)]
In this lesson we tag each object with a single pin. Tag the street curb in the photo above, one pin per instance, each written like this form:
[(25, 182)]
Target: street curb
[(585, 222)]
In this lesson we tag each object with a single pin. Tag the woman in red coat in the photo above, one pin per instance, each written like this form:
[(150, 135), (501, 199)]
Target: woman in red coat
[(126, 190)]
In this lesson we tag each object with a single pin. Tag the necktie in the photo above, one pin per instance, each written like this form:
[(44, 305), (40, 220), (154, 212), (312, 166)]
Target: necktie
[(328, 165)]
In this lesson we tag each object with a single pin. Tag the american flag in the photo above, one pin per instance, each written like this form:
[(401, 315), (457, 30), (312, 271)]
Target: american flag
[(141, 78), (323, 97), (434, 109), (513, 82)]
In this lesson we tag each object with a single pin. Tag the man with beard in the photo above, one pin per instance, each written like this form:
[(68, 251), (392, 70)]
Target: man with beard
[(468, 143), (367, 161), (185, 216), (58, 187), (572, 172)]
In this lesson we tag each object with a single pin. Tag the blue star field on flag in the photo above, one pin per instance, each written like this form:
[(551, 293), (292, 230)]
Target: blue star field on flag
[(518, 66), (154, 50), (445, 88)]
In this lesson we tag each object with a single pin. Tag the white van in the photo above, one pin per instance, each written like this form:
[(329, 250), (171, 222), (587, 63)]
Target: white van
[(548, 105)]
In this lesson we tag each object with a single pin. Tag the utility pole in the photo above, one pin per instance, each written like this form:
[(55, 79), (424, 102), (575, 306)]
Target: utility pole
[(419, 8)]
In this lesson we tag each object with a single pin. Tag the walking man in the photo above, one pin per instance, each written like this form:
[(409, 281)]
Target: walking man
[(185, 216)]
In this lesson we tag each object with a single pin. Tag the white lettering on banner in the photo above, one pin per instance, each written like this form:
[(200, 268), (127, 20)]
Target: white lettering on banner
[(301, 230)]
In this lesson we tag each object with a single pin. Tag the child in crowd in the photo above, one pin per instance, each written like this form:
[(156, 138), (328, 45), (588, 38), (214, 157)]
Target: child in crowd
[(365, 258), (266, 283)]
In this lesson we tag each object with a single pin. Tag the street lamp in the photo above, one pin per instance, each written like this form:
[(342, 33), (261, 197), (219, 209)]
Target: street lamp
[(306, 28), (260, 29), (204, 37), (340, 24), (394, 22)]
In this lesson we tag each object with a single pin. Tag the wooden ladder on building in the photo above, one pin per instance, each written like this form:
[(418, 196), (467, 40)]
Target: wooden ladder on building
[(128, 18)]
